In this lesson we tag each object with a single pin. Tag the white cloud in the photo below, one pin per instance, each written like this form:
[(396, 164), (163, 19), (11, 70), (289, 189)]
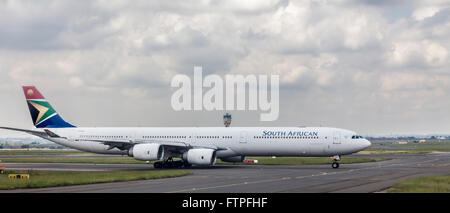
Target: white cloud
[(249, 5), (434, 53), (405, 53), (76, 82), (425, 12)]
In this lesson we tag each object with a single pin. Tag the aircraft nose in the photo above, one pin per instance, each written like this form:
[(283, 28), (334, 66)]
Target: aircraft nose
[(366, 143)]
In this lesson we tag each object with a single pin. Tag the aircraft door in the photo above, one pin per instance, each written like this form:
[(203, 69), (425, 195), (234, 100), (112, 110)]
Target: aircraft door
[(193, 138), (336, 137), (243, 137)]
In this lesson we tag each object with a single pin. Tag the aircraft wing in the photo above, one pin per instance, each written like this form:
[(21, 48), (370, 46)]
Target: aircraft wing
[(41, 134), (120, 144), (173, 146), (179, 144), (126, 144)]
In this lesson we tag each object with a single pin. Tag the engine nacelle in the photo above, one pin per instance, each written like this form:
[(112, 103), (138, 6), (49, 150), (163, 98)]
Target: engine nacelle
[(147, 151), (233, 159), (201, 157)]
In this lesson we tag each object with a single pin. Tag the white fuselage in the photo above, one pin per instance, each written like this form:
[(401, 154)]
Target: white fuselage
[(232, 141)]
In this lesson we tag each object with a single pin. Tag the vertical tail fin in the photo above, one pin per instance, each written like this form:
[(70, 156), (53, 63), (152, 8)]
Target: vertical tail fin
[(42, 113)]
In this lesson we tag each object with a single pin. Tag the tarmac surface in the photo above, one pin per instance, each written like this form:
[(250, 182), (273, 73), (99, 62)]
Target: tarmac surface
[(363, 177)]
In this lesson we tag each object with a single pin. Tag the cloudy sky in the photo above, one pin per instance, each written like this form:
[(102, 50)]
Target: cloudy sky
[(376, 67)]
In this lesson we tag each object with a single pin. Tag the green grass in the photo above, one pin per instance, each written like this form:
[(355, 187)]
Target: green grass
[(52, 179), (306, 160), (393, 152), (261, 160), (118, 160), (428, 146), (43, 152), (439, 184)]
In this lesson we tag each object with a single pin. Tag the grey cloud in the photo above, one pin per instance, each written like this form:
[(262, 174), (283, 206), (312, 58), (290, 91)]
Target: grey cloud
[(45, 26), (335, 59)]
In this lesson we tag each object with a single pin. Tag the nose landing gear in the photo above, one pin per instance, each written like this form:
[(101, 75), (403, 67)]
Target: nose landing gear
[(335, 163)]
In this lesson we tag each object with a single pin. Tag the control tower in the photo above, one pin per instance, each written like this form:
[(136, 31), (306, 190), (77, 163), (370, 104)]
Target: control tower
[(227, 119)]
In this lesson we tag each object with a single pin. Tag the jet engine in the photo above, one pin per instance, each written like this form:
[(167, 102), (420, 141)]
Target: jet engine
[(201, 157), (233, 159), (147, 151)]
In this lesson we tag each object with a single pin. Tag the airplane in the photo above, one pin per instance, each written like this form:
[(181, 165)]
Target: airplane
[(198, 146)]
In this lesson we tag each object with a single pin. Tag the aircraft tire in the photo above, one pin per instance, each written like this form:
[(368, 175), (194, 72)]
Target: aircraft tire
[(335, 165), (157, 165), (187, 165)]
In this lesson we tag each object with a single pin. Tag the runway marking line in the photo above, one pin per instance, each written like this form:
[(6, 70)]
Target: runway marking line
[(277, 179), (299, 177), (228, 185)]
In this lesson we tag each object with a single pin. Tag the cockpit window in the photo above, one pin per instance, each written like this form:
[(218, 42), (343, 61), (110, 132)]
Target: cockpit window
[(357, 136)]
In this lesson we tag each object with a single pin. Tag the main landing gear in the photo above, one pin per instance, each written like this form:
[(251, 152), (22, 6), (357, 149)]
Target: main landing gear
[(335, 163), (170, 163)]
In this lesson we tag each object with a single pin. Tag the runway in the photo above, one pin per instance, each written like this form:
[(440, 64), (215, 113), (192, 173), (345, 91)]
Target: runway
[(364, 177)]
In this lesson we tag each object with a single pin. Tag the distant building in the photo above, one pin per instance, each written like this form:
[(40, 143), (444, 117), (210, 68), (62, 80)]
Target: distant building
[(422, 141), (402, 142), (438, 137)]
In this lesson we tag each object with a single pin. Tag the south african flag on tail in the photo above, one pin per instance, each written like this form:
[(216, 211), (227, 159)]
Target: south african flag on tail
[(42, 113)]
